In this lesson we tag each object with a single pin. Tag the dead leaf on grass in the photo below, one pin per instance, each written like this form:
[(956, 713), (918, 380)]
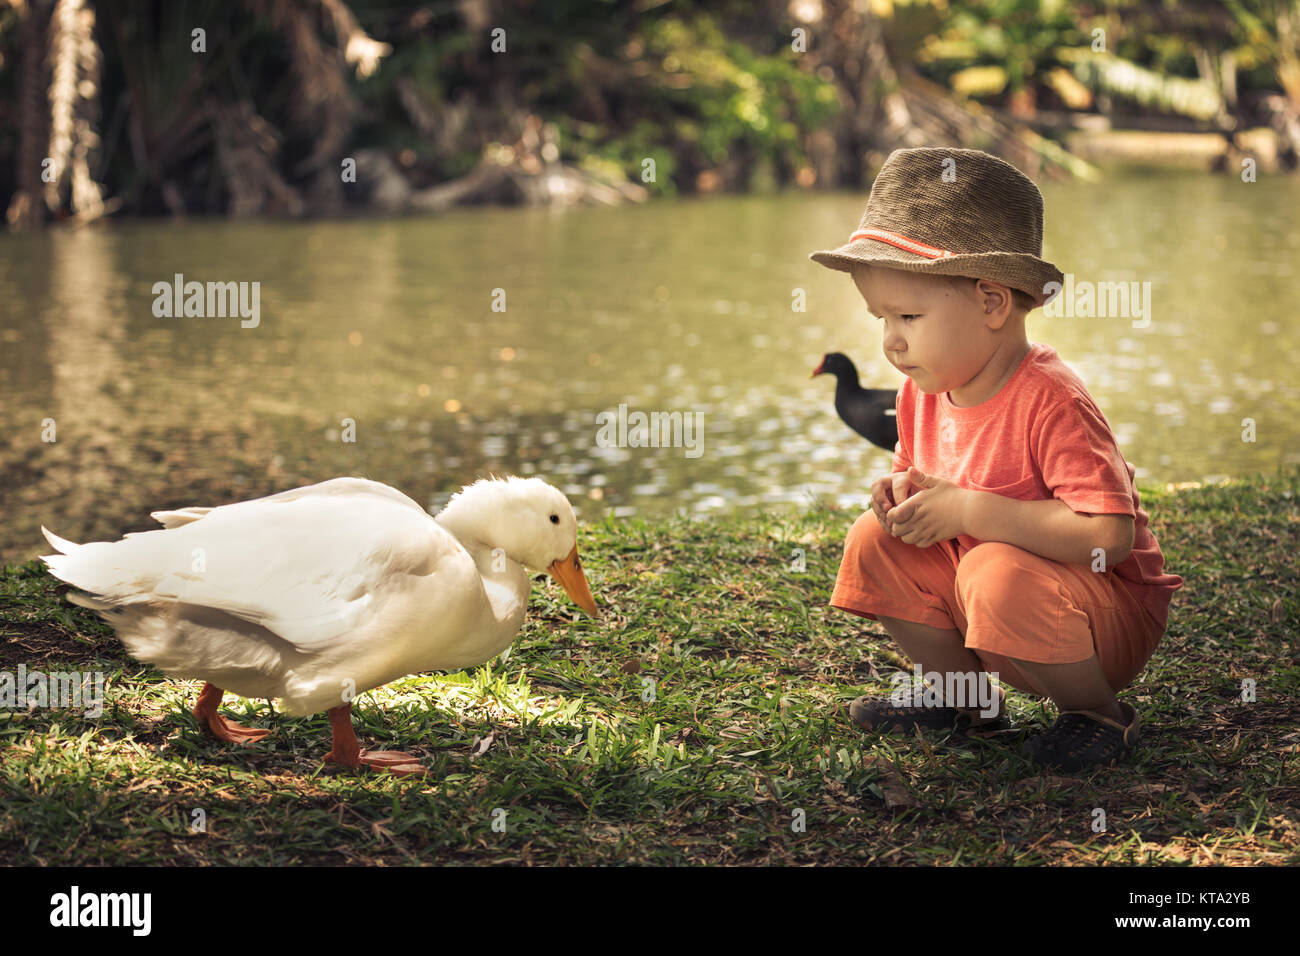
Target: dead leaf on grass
[(896, 792)]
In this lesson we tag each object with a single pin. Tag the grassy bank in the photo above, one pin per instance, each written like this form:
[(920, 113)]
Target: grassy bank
[(750, 671)]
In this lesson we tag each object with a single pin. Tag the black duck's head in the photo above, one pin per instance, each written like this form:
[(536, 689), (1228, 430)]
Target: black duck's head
[(837, 364)]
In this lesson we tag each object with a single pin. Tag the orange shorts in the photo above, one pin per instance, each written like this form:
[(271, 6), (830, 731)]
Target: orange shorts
[(1005, 601)]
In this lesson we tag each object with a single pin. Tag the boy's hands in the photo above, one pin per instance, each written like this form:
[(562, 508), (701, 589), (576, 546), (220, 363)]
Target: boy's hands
[(934, 510), (889, 492)]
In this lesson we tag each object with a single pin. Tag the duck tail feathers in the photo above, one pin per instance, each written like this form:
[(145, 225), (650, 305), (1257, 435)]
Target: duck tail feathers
[(181, 516), (62, 545), (58, 564), (94, 568)]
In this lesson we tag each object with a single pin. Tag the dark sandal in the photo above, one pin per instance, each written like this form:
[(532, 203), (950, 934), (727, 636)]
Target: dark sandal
[(1080, 739), (884, 714)]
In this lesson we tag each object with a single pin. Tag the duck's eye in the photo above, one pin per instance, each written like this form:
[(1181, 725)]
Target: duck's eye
[(555, 519)]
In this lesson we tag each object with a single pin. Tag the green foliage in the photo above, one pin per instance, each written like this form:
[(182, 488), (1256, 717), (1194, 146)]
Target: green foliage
[(741, 96), (696, 97), (989, 48), (1016, 36), (687, 88)]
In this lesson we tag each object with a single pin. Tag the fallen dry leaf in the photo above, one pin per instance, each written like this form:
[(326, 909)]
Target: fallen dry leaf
[(896, 792)]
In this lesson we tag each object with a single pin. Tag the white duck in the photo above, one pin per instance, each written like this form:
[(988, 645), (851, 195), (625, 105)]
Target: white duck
[(320, 593)]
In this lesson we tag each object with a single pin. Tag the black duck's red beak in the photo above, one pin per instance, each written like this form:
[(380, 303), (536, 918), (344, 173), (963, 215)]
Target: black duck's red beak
[(821, 367)]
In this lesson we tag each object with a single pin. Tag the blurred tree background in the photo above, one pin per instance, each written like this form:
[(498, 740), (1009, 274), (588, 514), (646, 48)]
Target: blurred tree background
[(258, 107)]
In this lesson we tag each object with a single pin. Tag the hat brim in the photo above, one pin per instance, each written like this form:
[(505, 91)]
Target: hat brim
[(1016, 270)]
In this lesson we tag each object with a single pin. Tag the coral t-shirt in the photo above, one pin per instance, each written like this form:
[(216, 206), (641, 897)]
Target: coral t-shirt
[(1040, 437)]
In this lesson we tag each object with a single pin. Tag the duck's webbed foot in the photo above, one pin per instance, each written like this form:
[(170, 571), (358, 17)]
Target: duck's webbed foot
[(347, 752), (221, 728)]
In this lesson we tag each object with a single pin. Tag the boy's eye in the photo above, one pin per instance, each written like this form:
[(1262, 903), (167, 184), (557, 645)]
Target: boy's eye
[(906, 316)]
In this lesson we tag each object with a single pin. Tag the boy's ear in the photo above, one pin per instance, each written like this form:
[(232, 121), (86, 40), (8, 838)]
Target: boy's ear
[(996, 299)]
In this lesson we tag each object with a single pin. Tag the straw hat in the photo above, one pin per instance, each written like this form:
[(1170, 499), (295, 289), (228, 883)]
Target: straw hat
[(957, 212)]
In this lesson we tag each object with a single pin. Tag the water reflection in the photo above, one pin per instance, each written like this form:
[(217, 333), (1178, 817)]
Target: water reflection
[(389, 325)]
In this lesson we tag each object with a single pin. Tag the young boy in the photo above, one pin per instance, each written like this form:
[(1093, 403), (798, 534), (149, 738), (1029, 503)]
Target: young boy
[(1009, 537)]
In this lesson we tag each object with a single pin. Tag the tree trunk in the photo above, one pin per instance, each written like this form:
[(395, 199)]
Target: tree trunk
[(875, 119), (25, 206)]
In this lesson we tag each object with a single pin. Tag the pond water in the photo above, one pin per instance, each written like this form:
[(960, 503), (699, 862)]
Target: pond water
[(378, 351)]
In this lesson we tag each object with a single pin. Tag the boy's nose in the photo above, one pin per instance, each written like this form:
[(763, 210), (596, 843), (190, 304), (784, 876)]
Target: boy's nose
[(893, 343)]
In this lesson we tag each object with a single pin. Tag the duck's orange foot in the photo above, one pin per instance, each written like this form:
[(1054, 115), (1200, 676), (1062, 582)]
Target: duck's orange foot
[(234, 733), (221, 728), (347, 752), (394, 761)]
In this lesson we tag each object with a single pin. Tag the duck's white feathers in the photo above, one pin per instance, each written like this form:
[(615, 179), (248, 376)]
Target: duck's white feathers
[(173, 519), (311, 595)]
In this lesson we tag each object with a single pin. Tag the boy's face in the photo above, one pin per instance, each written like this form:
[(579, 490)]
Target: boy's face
[(938, 333)]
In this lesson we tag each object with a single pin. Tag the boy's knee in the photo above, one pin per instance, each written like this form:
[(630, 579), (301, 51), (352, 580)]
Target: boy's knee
[(996, 571), (868, 539)]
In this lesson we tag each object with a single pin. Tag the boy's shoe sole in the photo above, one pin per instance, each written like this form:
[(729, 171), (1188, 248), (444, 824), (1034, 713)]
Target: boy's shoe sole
[(1081, 739)]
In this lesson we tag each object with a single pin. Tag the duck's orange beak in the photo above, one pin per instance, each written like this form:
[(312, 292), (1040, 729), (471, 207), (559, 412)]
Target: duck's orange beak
[(569, 573)]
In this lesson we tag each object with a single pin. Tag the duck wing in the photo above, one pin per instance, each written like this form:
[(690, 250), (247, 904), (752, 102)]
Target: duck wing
[(312, 565)]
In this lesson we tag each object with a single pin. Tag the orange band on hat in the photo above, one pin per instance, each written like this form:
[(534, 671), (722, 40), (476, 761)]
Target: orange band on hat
[(902, 242)]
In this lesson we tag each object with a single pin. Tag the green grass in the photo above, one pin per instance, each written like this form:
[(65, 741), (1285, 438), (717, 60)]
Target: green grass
[(751, 672)]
